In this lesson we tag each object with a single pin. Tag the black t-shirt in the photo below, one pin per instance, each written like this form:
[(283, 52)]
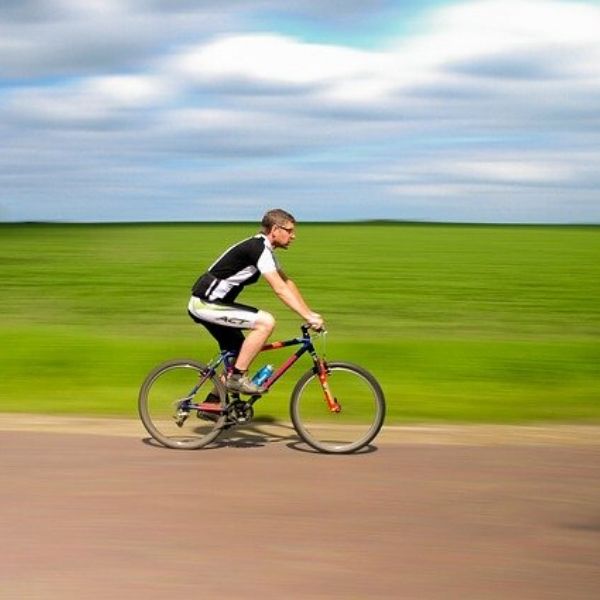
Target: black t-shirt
[(237, 267)]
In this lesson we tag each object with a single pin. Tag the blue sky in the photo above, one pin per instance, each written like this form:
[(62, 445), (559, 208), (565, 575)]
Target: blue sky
[(180, 110)]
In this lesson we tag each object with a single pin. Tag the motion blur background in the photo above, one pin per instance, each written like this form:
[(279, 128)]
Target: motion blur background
[(144, 136), (461, 323)]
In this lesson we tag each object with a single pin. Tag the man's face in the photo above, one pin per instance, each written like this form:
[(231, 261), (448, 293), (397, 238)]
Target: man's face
[(283, 235)]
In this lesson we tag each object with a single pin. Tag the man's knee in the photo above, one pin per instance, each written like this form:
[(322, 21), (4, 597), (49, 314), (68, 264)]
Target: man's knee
[(265, 320)]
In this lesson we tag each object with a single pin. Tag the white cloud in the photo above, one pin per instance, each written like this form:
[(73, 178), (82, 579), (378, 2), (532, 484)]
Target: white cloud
[(272, 59), (512, 171), (499, 24), (471, 49), (134, 91), (91, 102), (534, 167)]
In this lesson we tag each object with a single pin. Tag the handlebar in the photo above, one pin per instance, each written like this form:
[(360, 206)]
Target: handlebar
[(305, 327)]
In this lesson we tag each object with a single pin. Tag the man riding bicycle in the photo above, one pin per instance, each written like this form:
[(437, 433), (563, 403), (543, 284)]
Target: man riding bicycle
[(213, 302)]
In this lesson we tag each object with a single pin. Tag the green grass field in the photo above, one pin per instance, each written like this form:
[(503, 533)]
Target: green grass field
[(459, 323)]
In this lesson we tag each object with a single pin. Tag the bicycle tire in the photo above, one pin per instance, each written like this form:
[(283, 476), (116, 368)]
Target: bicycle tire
[(362, 409), (164, 390)]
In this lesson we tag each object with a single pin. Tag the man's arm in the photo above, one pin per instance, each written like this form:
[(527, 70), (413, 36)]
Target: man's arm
[(289, 294)]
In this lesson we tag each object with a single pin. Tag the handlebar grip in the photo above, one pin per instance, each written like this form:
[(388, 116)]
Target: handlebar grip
[(306, 327)]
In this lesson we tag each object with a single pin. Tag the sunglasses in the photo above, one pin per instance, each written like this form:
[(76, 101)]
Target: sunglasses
[(288, 229)]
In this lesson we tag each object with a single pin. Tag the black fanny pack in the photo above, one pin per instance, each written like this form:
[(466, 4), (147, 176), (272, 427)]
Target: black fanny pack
[(203, 284)]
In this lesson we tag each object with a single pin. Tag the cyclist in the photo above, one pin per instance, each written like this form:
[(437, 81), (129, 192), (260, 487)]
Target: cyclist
[(213, 302)]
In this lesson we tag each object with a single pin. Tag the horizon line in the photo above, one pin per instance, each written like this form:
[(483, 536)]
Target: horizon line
[(324, 222)]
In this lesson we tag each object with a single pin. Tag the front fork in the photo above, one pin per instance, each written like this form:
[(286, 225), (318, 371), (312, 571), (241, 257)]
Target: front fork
[(322, 372)]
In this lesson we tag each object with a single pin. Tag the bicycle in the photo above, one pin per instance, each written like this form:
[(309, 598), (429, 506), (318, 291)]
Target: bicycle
[(335, 407)]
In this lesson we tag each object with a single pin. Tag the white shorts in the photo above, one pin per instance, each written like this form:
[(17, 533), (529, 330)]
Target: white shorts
[(238, 316)]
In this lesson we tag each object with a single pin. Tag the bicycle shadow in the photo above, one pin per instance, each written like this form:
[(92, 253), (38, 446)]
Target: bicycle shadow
[(260, 432), (256, 434), (301, 446)]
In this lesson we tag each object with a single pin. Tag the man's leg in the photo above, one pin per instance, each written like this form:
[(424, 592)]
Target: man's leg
[(224, 321), (230, 340), (238, 381), (255, 340)]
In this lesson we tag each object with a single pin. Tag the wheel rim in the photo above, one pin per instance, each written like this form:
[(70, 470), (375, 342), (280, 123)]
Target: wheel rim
[(353, 427), (167, 402)]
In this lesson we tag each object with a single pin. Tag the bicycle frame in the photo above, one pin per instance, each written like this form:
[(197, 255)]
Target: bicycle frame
[(306, 345)]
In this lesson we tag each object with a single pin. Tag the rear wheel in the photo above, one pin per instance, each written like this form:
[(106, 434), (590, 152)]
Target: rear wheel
[(357, 423), (168, 404)]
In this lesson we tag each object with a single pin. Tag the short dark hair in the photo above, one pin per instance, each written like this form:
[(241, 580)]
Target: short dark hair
[(276, 216)]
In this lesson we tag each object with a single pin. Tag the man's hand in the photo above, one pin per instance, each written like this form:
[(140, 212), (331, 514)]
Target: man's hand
[(316, 322)]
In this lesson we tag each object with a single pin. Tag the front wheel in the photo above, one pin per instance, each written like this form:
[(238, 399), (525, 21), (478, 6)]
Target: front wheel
[(170, 404), (362, 404)]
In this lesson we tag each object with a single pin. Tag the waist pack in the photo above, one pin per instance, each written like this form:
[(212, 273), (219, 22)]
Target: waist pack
[(204, 284)]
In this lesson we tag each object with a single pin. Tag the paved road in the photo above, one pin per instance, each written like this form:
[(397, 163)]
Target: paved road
[(260, 517)]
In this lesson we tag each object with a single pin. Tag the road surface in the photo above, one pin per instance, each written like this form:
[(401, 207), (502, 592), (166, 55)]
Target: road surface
[(485, 516)]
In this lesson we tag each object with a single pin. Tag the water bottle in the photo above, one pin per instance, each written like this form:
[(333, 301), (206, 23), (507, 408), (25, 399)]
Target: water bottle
[(263, 375)]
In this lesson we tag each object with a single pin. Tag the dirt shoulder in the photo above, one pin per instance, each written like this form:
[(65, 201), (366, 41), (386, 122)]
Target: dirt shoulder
[(453, 434)]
